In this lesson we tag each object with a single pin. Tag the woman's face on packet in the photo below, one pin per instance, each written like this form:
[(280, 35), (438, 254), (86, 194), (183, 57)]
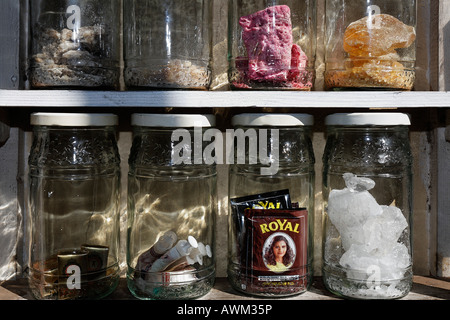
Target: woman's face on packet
[(279, 249)]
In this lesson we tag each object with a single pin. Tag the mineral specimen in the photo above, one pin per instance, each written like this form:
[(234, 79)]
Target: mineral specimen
[(373, 58), (69, 58), (369, 232), (272, 56), (385, 34), (267, 35)]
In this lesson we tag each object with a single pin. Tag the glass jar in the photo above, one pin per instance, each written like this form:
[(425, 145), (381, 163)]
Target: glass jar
[(74, 172), (75, 44), (171, 208), (271, 191), (367, 189), (167, 44), (272, 44), (370, 44)]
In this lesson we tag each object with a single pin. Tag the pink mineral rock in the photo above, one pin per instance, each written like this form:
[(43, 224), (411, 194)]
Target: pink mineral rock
[(267, 36), (299, 60)]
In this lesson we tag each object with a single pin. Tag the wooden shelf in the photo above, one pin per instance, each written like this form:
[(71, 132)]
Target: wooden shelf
[(224, 99), (424, 288)]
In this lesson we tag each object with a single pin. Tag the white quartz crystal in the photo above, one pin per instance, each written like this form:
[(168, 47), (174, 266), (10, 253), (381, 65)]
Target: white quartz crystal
[(369, 232)]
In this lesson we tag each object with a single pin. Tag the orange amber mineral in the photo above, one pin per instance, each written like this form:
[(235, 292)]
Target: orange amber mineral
[(377, 35)]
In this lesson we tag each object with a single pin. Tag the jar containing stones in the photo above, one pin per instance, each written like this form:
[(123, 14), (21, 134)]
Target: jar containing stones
[(271, 201), (370, 44), (167, 44), (272, 44), (367, 190), (75, 44), (171, 207), (74, 176)]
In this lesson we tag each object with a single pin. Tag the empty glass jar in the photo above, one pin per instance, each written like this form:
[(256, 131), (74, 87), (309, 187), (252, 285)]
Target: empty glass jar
[(171, 208), (167, 44), (370, 44), (74, 177), (271, 216), (367, 190), (75, 44), (272, 44)]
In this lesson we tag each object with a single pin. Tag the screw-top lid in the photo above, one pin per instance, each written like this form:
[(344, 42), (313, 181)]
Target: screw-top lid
[(368, 118), (272, 119), (73, 119), (208, 250), (192, 241), (172, 120), (185, 246), (202, 248)]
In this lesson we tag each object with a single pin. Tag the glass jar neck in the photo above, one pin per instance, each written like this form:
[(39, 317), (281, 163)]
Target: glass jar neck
[(172, 146), (288, 145), (358, 146), (74, 146)]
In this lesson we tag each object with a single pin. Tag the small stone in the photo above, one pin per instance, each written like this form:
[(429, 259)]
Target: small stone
[(358, 184)]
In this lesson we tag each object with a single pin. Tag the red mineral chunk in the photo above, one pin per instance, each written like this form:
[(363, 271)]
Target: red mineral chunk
[(267, 36), (299, 60)]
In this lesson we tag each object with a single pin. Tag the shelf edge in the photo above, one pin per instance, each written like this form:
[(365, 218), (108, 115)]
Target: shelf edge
[(224, 99)]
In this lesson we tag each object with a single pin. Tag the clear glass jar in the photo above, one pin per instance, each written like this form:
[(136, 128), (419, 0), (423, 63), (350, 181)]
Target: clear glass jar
[(167, 44), (272, 44), (370, 44), (367, 190), (75, 44), (171, 208), (74, 172), (279, 180)]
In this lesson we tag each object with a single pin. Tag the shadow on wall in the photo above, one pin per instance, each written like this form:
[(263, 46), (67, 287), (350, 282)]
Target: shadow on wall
[(9, 215), (446, 53)]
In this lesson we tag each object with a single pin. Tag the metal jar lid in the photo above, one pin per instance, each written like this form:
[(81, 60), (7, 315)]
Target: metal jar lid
[(73, 119), (368, 118), (272, 119), (172, 120)]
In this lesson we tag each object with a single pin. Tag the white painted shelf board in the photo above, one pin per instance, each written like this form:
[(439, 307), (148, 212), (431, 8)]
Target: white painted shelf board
[(224, 99)]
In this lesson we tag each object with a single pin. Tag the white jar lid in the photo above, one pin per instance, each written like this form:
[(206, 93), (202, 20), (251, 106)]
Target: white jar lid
[(368, 118), (73, 119), (172, 120), (272, 119)]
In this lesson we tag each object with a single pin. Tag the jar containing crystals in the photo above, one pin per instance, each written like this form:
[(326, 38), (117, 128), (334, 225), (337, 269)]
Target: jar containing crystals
[(271, 191), (272, 44), (74, 176), (370, 44), (75, 44), (171, 207), (367, 190), (167, 44)]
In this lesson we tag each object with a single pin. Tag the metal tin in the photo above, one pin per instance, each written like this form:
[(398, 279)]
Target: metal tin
[(72, 269), (97, 260)]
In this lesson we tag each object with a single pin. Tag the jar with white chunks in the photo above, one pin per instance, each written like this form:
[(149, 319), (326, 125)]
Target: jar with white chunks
[(368, 206)]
